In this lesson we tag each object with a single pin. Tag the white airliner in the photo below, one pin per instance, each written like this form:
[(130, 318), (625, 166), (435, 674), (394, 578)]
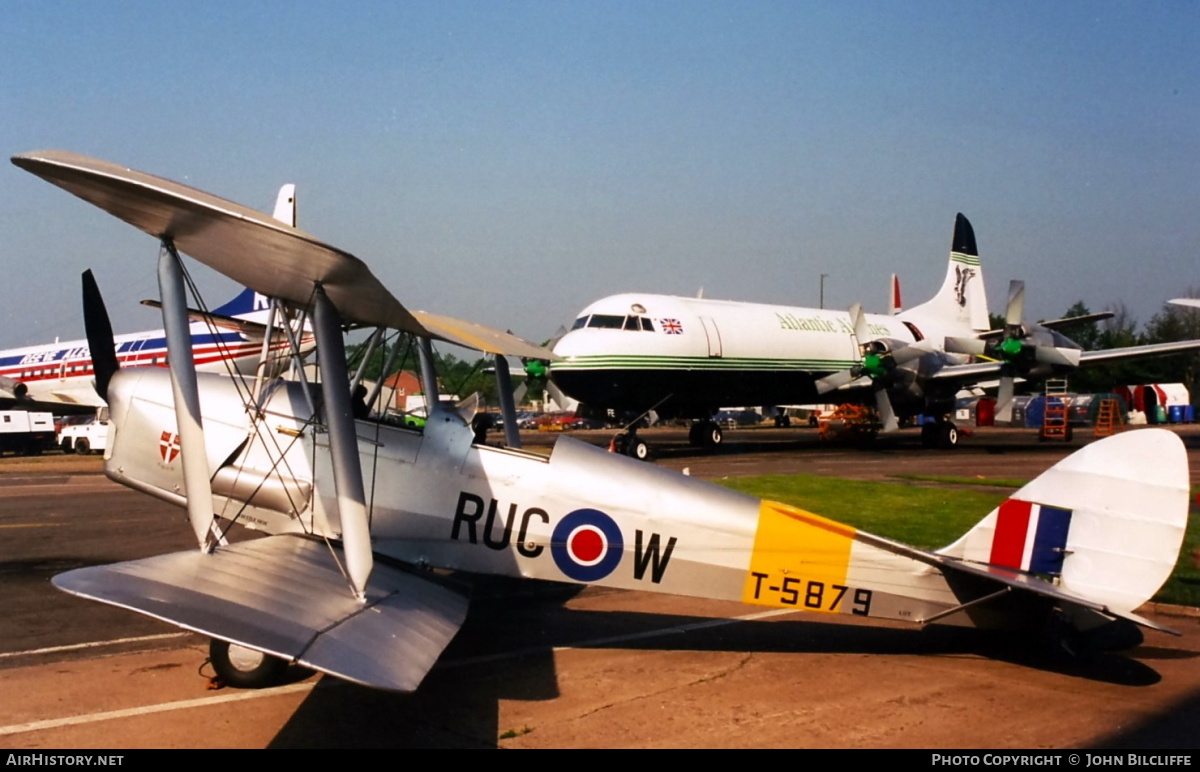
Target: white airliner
[(688, 357), (59, 376)]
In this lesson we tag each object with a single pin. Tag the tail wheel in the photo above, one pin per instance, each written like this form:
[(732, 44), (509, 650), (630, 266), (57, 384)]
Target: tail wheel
[(245, 668)]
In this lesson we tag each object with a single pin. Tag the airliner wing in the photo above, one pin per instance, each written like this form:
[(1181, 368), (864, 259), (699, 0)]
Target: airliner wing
[(251, 247), (1135, 352), (976, 371)]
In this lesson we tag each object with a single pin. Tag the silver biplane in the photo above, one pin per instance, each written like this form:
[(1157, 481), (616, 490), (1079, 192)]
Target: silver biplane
[(363, 519)]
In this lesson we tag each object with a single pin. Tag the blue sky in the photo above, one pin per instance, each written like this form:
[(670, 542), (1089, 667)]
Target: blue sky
[(510, 162)]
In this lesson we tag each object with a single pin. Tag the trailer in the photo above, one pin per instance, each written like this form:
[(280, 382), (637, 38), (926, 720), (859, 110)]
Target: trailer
[(25, 433)]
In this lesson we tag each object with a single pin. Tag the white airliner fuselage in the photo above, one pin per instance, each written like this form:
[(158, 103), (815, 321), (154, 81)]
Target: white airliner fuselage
[(688, 357)]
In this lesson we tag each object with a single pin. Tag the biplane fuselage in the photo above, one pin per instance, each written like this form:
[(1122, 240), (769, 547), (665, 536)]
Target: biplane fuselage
[(581, 515)]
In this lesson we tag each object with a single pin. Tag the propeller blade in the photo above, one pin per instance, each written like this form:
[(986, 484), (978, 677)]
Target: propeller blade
[(883, 403), (99, 335), (966, 346), (910, 352), (835, 381), (1004, 399), (1016, 303)]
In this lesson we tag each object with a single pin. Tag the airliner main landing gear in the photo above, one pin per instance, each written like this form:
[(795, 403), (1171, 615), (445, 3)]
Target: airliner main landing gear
[(939, 434), (705, 434)]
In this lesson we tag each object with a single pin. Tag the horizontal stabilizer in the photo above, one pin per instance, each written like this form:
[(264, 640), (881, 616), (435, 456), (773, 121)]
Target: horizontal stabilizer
[(1006, 577), (244, 326), (286, 596)]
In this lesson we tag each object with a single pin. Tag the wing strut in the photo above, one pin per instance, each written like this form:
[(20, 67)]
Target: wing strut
[(193, 454), (343, 443), (508, 408), (264, 356)]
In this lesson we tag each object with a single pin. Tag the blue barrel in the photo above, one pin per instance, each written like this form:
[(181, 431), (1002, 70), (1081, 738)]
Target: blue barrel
[(1035, 411), (1176, 414)]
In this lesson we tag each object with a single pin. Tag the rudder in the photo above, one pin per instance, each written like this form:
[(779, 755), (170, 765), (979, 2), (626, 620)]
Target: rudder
[(961, 299)]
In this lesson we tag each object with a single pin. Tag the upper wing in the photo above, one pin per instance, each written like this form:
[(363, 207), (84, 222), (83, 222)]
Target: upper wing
[(246, 245)]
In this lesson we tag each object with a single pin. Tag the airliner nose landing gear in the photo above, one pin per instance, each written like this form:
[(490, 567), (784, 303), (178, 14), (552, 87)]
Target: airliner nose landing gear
[(630, 444)]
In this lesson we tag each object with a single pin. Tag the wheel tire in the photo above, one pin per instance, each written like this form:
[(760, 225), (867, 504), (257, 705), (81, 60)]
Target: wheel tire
[(82, 447), (713, 436), (638, 449), (245, 668), (948, 435), (65, 445), (694, 435)]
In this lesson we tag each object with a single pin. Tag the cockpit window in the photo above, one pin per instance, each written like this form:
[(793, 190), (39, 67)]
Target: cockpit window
[(606, 321), (613, 322)]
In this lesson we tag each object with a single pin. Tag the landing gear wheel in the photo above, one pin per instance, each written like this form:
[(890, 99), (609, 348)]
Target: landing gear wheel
[(928, 435), (694, 435), (947, 435), (245, 668), (82, 447), (638, 449), (711, 435)]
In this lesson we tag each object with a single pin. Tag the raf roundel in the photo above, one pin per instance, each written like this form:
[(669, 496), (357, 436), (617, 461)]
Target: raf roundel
[(587, 545)]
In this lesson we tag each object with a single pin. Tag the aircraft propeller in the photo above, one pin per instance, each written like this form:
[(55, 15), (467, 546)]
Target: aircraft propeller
[(879, 363), (101, 341), (1021, 349)]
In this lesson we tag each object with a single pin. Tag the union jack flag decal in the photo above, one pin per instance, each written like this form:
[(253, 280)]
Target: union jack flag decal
[(671, 326)]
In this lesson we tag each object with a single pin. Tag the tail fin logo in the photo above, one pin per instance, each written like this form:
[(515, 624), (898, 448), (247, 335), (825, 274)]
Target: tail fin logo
[(962, 276)]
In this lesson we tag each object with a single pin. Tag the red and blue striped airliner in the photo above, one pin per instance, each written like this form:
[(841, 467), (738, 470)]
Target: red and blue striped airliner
[(61, 373)]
